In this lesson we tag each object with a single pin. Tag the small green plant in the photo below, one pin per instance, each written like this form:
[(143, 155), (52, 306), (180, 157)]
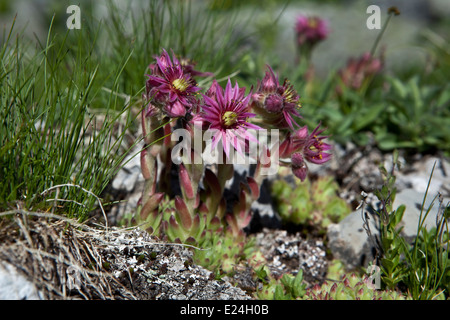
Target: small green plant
[(422, 266), (288, 287), (348, 286), (336, 270), (308, 202), (351, 287), (411, 105), (223, 252)]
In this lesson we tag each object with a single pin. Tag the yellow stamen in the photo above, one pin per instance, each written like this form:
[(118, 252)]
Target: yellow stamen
[(180, 84), (229, 118), (289, 93), (312, 22)]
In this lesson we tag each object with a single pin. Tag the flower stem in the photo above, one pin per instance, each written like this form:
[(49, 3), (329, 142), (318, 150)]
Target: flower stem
[(391, 11)]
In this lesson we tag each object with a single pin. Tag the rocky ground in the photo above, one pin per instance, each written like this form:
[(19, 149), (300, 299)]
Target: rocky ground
[(54, 258)]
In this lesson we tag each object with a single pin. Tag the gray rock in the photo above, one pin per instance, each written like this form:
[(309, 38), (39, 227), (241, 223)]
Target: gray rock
[(440, 180), (413, 200), (349, 240), (129, 175), (14, 286)]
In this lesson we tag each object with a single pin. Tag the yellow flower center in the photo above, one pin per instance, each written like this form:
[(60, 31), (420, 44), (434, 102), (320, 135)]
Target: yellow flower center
[(313, 23), (229, 118), (180, 84)]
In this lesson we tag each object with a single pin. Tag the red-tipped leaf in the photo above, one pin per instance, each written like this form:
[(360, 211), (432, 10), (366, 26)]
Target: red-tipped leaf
[(183, 213), (185, 182), (151, 204)]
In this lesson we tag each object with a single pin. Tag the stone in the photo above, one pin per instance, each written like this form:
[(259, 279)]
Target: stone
[(413, 199), (129, 175), (349, 240), (15, 286), (288, 253), (440, 180)]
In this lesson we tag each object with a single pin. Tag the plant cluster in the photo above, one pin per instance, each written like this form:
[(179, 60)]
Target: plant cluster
[(313, 203), (348, 287), (398, 113), (288, 287), (50, 96), (199, 211), (351, 287)]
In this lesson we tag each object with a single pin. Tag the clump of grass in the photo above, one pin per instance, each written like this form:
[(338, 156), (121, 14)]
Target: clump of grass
[(48, 134)]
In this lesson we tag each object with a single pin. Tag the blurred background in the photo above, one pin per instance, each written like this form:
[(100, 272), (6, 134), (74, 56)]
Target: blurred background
[(274, 21)]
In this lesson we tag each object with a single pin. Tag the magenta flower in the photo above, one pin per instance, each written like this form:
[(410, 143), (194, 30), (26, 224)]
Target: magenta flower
[(301, 147), (227, 113), (276, 104), (359, 70), (310, 30), (170, 86), (314, 148)]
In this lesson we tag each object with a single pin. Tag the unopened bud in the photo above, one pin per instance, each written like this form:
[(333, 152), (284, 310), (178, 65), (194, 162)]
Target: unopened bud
[(299, 167)]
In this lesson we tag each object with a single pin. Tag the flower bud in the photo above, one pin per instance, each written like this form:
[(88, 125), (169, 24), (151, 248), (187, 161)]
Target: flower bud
[(175, 109), (299, 168), (254, 187)]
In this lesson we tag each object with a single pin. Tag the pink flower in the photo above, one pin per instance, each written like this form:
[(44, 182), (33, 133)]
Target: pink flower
[(310, 30), (276, 104), (301, 147), (314, 148), (227, 113), (358, 70), (170, 87)]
